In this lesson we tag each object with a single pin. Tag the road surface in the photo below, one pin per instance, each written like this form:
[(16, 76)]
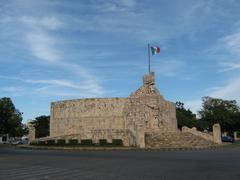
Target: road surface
[(26, 164)]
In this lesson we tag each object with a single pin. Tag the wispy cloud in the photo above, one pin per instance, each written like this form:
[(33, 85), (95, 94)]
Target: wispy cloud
[(56, 82), (194, 105), (53, 87), (115, 6), (168, 67), (228, 66), (72, 49), (48, 23), (232, 42), (43, 46), (229, 91), (226, 51), (13, 90)]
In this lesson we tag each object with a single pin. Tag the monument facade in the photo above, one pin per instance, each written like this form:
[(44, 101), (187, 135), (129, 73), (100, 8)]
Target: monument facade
[(122, 118), (144, 119)]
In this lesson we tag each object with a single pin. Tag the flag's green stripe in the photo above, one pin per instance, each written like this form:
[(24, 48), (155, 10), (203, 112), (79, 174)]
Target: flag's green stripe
[(153, 50)]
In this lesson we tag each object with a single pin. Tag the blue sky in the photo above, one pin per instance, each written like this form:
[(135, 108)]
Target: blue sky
[(55, 50)]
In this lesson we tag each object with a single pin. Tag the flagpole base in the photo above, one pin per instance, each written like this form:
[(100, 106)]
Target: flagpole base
[(149, 78)]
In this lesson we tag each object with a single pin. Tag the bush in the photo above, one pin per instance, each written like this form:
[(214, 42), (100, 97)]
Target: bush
[(72, 141), (117, 142), (33, 143), (103, 142), (86, 142), (50, 142), (61, 142), (41, 143)]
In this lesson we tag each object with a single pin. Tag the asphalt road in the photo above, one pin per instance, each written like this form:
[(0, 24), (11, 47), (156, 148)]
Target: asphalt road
[(162, 165)]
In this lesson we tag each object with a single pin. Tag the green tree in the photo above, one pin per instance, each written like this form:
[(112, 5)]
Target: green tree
[(10, 118), (41, 124), (185, 117), (224, 112)]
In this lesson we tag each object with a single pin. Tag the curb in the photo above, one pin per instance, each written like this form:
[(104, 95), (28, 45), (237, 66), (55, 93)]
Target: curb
[(120, 148)]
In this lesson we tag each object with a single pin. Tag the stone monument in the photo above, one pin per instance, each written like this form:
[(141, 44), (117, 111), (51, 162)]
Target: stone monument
[(115, 118), (144, 119)]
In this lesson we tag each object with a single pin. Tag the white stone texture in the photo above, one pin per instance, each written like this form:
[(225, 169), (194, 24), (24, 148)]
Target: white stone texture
[(217, 134)]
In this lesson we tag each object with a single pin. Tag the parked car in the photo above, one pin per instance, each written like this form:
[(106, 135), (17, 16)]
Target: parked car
[(17, 142), (227, 139)]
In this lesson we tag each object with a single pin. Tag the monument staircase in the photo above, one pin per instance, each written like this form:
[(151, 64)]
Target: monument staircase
[(176, 140)]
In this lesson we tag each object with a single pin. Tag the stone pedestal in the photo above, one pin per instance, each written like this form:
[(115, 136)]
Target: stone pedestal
[(149, 79), (32, 133), (235, 136), (217, 134)]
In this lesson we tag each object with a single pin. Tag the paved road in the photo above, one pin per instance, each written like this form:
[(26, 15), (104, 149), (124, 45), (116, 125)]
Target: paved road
[(161, 165)]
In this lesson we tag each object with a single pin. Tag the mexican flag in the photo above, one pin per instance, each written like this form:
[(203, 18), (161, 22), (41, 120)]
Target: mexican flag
[(155, 50)]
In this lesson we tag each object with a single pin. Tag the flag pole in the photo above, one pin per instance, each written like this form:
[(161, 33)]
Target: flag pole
[(149, 58)]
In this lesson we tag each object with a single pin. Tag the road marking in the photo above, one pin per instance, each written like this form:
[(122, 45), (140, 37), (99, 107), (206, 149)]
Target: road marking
[(44, 172), (25, 171), (38, 174)]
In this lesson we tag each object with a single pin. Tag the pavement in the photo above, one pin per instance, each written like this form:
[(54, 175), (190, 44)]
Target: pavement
[(34, 164)]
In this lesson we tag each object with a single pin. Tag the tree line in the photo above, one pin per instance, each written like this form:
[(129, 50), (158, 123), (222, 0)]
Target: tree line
[(11, 121), (213, 110)]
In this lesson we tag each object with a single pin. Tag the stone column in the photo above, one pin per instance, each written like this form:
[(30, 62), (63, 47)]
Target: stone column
[(140, 136), (235, 136), (217, 134), (31, 133)]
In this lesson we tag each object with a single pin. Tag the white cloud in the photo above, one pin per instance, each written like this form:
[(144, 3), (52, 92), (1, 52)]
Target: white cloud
[(230, 91), (229, 66), (41, 43), (169, 67), (89, 80), (48, 23), (88, 86), (122, 6), (13, 90), (194, 105), (43, 46), (129, 3), (55, 82), (232, 42), (226, 51)]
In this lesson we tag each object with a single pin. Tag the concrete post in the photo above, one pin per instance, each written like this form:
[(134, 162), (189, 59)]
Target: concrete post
[(217, 134), (140, 136), (32, 133), (235, 136)]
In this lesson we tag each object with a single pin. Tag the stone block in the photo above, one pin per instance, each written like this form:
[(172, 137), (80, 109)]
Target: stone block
[(217, 134), (31, 133)]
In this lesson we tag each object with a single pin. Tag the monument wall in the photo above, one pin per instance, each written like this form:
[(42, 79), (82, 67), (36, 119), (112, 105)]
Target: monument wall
[(77, 116), (108, 118), (144, 119)]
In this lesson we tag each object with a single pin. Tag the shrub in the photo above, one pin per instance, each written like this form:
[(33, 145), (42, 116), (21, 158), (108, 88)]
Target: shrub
[(34, 143), (41, 143), (72, 141), (86, 142), (61, 142), (50, 142), (117, 142), (103, 142)]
